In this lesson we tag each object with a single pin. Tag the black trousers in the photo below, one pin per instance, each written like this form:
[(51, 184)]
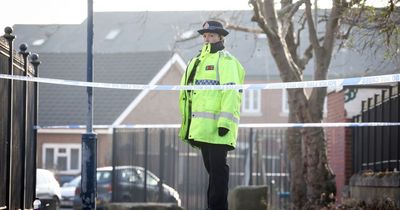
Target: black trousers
[(214, 158)]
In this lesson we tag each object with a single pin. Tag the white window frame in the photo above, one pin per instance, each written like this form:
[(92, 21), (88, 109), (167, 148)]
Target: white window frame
[(285, 104), (254, 108), (68, 148)]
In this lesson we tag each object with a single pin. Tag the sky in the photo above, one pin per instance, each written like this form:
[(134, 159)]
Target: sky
[(75, 11)]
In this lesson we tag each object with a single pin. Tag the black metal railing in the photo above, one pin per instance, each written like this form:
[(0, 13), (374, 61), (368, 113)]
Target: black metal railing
[(378, 148), (18, 105), (257, 160)]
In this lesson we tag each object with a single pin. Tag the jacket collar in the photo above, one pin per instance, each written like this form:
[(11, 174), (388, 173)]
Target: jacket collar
[(211, 48), (217, 46)]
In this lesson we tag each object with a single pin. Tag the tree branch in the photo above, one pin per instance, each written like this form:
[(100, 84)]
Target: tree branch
[(299, 31), (244, 29), (332, 26), (240, 28), (311, 28), (260, 19), (194, 36), (287, 17), (308, 54)]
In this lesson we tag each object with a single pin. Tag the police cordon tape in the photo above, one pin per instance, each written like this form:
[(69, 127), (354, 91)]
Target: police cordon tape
[(333, 83), (249, 125)]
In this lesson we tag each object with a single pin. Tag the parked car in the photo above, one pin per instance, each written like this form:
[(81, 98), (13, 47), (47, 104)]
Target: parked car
[(48, 190), (129, 187), (64, 178), (68, 191)]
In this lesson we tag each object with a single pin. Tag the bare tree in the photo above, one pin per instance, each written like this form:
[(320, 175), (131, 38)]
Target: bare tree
[(311, 178), (312, 181)]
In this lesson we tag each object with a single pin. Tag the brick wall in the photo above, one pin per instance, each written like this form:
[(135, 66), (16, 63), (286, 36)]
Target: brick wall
[(339, 141)]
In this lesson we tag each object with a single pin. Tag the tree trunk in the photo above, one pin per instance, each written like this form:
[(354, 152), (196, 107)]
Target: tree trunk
[(313, 166), (297, 173), (320, 179), (307, 148)]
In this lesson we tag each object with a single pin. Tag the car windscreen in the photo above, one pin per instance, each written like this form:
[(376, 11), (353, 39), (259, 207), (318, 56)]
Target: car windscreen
[(103, 177), (151, 178), (73, 183)]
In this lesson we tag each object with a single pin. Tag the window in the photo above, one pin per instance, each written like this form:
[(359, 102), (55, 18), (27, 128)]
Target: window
[(62, 157), (251, 102), (285, 102)]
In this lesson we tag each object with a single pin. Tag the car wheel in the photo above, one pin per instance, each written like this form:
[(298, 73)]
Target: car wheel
[(55, 204)]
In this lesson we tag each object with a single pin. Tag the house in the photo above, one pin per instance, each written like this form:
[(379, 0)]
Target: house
[(60, 149), (143, 48)]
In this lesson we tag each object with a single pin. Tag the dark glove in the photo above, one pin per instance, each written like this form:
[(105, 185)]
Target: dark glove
[(222, 131)]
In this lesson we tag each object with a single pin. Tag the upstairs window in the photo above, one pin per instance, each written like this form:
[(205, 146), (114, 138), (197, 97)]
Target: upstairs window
[(251, 103)]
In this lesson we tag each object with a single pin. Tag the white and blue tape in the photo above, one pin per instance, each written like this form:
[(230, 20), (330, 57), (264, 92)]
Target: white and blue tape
[(332, 83), (250, 125)]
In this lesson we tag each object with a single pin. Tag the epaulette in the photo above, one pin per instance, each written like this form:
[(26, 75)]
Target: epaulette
[(226, 54)]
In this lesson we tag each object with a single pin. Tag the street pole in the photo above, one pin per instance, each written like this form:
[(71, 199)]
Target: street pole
[(89, 139)]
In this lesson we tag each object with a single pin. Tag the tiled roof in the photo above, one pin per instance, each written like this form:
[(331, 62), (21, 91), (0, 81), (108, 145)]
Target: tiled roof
[(151, 31), (159, 31), (67, 105)]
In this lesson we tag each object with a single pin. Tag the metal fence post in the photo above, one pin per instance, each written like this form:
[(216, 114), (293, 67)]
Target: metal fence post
[(24, 53), (175, 156), (187, 175), (35, 62), (363, 130), (375, 110), (353, 145), (369, 107), (114, 163), (251, 157), (146, 153), (398, 127), (391, 119), (257, 150), (382, 137), (161, 164), (9, 141), (396, 119)]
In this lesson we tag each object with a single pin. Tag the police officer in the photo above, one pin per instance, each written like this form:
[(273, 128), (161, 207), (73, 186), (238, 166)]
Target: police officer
[(210, 118)]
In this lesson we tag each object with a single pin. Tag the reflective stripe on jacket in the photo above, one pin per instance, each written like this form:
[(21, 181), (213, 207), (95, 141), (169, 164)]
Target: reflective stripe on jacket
[(203, 111)]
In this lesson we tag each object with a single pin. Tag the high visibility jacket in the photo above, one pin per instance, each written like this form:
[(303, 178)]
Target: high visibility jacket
[(203, 111)]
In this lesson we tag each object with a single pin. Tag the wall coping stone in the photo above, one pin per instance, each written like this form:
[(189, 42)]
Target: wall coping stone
[(380, 179)]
